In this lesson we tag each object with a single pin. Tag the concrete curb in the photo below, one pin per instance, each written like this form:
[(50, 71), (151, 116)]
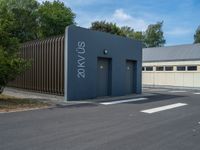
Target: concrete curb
[(58, 101)]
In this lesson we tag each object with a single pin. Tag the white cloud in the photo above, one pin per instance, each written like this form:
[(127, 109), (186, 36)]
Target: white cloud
[(179, 31), (121, 15), (118, 16), (40, 1), (124, 19), (80, 2)]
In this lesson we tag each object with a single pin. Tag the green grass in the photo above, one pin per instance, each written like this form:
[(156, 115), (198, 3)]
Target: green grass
[(8, 103)]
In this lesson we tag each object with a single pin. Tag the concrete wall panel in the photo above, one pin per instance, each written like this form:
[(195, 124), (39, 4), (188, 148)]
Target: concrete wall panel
[(172, 78)]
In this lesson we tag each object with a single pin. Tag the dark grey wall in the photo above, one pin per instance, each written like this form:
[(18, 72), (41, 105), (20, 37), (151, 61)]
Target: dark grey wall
[(82, 49)]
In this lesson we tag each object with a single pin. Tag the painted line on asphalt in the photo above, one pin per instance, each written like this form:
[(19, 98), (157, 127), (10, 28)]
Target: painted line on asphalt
[(123, 101), (197, 93), (158, 90), (177, 91), (162, 108)]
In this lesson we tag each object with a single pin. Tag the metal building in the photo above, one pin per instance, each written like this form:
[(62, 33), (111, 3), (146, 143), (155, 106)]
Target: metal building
[(83, 64), (177, 66)]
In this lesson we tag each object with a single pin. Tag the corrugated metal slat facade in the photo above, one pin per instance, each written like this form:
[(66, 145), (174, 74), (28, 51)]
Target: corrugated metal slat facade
[(46, 74)]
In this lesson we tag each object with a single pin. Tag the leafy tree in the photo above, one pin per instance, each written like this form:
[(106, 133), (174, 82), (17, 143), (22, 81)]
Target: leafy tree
[(24, 20), (197, 36), (33, 20), (24, 16), (139, 35), (154, 35), (130, 33), (127, 31), (106, 27), (11, 65), (112, 28), (54, 17)]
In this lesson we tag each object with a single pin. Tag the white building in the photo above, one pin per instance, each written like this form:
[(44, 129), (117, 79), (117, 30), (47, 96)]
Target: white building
[(172, 66)]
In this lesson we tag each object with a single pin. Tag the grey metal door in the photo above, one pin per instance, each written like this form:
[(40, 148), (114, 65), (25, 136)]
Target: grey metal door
[(103, 76), (129, 77)]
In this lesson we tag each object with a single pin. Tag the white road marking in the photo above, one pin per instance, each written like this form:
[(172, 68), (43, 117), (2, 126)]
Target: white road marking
[(157, 90), (197, 93), (177, 91), (162, 108), (123, 101)]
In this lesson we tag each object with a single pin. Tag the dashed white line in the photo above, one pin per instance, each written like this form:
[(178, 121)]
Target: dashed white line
[(123, 101), (197, 93), (177, 91), (162, 108), (158, 90)]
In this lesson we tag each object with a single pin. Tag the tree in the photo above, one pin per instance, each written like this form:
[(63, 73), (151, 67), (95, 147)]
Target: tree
[(106, 27), (24, 20), (24, 16), (112, 28), (33, 20), (154, 35), (54, 17), (130, 33), (127, 32), (11, 65), (197, 36), (139, 35)]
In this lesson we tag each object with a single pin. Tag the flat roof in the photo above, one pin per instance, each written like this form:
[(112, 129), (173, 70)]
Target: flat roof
[(172, 53)]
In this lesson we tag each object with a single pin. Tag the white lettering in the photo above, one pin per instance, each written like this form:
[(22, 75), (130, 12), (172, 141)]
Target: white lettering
[(81, 59)]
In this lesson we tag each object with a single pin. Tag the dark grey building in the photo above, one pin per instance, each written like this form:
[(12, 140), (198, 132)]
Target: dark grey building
[(100, 64), (82, 64)]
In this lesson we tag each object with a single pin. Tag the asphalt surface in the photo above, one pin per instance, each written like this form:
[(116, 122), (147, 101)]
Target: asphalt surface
[(113, 127)]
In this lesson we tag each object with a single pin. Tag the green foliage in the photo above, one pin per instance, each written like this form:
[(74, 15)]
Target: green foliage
[(54, 17), (11, 67), (23, 14), (11, 64), (114, 29), (130, 33), (197, 35), (139, 35), (106, 27), (32, 20), (24, 20), (154, 35), (127, 32)]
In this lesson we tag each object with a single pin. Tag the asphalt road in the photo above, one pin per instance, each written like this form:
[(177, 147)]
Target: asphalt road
[(107, 127)]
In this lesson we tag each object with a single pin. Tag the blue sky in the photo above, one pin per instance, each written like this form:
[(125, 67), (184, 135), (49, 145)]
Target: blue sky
[(181, 17)]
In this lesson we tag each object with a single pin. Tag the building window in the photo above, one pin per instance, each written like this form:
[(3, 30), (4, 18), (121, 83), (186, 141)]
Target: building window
[(192, 68), (159, 68), (181, 68), (143, 68), (169, 68), (149, 68)]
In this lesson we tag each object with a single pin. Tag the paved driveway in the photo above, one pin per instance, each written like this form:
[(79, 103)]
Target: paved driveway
[(120, 126)]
